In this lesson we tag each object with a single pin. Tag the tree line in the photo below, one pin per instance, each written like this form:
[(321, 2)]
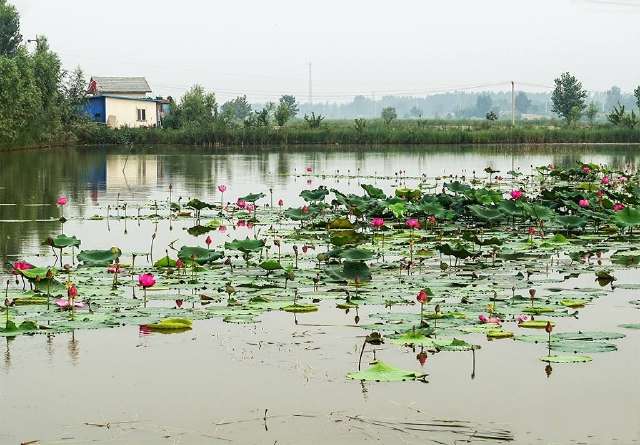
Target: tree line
[(39, 101)]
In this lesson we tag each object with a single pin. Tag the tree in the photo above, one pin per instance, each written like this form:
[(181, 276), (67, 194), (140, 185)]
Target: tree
[(568, 98), (196, 107), (74, 96), (10, 37), (313, 121), (613, 98), (592, 112), (415, 112), (262, 118), (620, 118), (522, 102), (287, 109), (237, 109), (20, 99), (636, 93), (483, 105), (491, 116), (388, 115)]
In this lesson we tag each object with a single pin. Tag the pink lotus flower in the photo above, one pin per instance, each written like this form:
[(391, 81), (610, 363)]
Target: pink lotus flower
[(309, 169), (146, 280), (431, 219), (600, 193), (623, 179), (179, 264), (412, 223), (484, 319), (179, 303), (516, 194), (584, 203), (249, 225), (305, 209), (280, 202), (66, 304), (376, 223), (422, 296), (114, 268), (618, 206), (241, 223), (222, 229), (21, 265), (586, 170), (222, 188), (62, 201), (605, 180), (208, 241), (250, 207), (551, 167), (241, 203), (532, 230), (522, 318)]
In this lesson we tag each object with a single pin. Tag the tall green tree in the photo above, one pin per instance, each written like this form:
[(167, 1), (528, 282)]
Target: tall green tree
[(569, 98), (388, 115), (522, 102), (20, 99), (237, 109), (636, 93), (10, 37), (613, 97), (287, 109), (592, 112), (197, 107), (74, 97)]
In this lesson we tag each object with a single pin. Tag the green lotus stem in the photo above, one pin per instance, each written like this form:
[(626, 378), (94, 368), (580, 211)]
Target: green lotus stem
[(421, 313)]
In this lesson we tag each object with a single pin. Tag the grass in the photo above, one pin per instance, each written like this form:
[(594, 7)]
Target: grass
[(376, 132)]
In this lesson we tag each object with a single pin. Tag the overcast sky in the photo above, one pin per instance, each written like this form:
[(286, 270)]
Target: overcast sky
[(413, 47)]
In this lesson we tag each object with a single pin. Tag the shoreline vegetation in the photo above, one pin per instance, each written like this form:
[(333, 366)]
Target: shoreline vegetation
[(44, 105), (344, 132)]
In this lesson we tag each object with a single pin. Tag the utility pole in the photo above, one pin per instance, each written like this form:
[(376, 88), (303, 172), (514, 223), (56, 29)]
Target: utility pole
[(310, 87), (513, 104)]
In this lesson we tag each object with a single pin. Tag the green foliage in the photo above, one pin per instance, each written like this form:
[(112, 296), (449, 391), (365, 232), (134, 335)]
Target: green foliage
[(196, 108), (568, 98), (287, 109), (491, 116), (236, 110), (620, 118), (636, 94), (388, 115), (10, 37), (359, 125), (313, 121), (591, 112)]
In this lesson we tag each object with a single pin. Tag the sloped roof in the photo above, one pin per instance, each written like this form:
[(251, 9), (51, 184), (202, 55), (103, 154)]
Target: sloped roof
[(121, 85)]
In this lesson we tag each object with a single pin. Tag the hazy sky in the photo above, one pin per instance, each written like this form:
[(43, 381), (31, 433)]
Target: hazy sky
[(413, 47)]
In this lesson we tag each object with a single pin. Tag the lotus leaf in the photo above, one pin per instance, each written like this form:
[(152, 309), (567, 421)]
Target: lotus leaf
[(383, 372), (99, 258)]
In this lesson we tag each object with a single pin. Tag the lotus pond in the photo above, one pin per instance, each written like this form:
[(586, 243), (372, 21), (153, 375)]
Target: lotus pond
[(320, 295)]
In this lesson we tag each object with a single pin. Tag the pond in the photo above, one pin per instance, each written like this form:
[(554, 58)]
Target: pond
[(249, 371)]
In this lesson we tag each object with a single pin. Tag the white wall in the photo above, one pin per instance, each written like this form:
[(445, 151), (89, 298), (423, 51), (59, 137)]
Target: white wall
[(124, 112)]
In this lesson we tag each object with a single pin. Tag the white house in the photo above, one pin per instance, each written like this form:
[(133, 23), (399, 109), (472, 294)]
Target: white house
[(121, 102)]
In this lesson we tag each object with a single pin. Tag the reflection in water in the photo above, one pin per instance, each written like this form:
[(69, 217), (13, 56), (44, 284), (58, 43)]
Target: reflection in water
[(73, 347), (31, 181)]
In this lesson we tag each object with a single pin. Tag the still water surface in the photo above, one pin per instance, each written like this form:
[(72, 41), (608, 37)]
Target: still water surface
[(214, 383)]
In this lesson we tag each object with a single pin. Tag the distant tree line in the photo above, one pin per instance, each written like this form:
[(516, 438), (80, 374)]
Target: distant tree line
[(39, 101)]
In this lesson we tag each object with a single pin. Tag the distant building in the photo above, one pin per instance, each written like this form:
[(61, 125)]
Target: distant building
[(122, 102)]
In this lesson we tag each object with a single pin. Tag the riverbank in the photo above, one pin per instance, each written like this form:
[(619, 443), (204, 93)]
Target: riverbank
[(345, 133)]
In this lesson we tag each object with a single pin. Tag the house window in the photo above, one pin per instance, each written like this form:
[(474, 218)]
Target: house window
[(142, 115)]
